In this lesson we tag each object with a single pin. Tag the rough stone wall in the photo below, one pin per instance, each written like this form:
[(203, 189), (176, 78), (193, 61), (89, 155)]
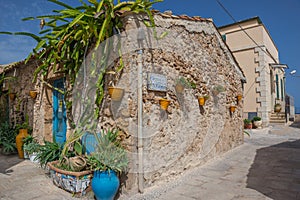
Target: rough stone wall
[(22, 106), (39, 110), (186, 134)]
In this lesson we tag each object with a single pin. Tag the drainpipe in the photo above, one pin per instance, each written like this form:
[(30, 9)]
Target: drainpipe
[(141, 37)]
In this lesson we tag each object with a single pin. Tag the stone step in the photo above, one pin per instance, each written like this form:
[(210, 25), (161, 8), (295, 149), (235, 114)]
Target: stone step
[(277, 121)]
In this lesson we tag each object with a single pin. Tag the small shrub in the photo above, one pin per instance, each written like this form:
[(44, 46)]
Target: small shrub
[(256, 118)]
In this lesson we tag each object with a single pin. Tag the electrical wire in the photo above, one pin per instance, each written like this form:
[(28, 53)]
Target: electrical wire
[(257, 45)]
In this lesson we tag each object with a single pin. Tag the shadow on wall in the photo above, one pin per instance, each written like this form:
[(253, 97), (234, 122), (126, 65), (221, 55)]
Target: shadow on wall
[(275, 171), (8, 161)]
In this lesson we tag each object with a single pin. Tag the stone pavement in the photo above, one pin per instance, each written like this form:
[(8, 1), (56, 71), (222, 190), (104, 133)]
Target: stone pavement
[(266, 166)]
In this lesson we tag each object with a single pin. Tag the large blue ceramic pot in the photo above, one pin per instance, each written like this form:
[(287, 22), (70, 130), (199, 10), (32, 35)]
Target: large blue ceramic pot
[(105, 185)]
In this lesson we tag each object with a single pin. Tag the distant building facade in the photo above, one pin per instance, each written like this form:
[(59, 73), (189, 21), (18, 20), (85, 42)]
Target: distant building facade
[(256, 53)]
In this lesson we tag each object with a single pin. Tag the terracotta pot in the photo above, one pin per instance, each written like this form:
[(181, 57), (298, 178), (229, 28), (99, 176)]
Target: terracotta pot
[(201, 101), (277, 108), (239, 97), (12, 96), (33, 94), (116, 94), (232, 109), (164, 103), (19, 141), (248, 126)]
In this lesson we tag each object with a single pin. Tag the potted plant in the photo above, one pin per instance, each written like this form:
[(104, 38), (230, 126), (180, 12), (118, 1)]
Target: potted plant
[(202, 100), (67, 166), (115, 93), (277, 107), (164, 103), (33, 94), (23, 129), (247, 124), (108, 161), (217, 90), (257, 122), (31, 148)]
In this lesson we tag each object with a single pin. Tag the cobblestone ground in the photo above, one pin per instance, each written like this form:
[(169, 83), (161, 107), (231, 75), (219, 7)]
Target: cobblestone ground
[(266, 166)]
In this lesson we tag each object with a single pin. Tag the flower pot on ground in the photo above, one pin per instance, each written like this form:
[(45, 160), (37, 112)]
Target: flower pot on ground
[(31, 148), (164, 103), (74, 182), (247, 124), (33, 94), (19, 141), (257, 122), (277, 107), (116, 94), (109, 160)]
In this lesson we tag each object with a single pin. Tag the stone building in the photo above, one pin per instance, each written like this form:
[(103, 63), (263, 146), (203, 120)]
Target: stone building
[(254, 49), (162, 142)]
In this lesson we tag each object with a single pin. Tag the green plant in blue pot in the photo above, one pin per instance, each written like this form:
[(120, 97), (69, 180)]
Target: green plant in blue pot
[(108, 161)]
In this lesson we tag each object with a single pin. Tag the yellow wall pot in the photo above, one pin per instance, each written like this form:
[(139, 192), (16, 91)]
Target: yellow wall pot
[(19, 141), (232, 109), (12, 96), (201, 101), (164, 103), (239, 97), (33, 94), (116, 94)]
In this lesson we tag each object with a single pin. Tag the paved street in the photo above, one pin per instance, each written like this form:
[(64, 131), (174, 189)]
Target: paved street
[(266, 166)]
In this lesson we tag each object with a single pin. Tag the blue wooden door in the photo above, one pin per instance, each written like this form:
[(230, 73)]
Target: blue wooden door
[(59, 113)]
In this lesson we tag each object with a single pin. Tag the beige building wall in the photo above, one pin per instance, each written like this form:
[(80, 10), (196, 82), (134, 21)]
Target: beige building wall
[(255, 51)]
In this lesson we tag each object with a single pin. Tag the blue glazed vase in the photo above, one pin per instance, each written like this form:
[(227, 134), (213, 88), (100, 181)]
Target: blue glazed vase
[(105, 185)]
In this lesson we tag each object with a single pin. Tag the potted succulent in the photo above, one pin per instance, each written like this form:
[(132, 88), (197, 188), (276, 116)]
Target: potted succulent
[(247, 124), (182, 83), (108, 161), (257, 122)]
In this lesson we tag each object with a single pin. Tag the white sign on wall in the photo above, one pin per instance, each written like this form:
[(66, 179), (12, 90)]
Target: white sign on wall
[(157, 82)]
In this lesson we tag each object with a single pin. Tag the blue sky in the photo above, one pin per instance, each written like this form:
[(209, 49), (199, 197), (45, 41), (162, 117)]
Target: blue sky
[(281, 18)]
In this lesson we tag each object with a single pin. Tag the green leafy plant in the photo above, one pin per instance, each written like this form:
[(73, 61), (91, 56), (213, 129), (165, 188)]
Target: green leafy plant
[(256, 118), (31, 145), (247, 121), (109, 154), (48, 152), (8, 138)]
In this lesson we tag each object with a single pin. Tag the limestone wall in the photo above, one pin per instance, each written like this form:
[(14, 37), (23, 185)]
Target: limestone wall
[(186, 134)]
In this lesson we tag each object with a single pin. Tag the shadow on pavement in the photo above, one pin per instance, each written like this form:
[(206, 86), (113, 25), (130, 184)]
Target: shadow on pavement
[(275, 171), (295, 124), (7, 161)]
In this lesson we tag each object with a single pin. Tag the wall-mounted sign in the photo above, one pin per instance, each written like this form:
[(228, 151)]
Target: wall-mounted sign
[(157, 82)]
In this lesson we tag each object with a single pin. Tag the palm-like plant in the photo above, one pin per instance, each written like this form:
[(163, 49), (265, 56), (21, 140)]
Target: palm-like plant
[(70, 33)]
